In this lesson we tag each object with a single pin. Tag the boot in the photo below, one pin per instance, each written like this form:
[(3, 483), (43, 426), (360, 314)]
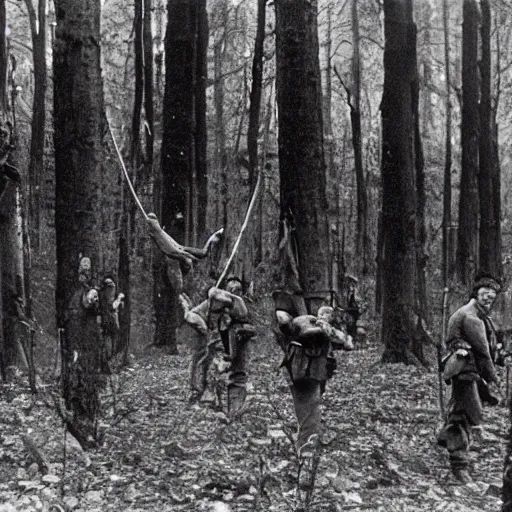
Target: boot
[(236, 400), (462, 475)]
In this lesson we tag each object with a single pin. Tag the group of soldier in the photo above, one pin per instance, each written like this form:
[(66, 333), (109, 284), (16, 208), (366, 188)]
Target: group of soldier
[(309, 329)]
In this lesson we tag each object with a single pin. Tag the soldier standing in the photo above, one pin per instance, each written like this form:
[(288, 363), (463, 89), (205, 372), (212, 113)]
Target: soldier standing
[(469, 368)]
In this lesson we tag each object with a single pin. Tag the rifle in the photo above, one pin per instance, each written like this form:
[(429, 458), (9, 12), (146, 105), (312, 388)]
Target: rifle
[(440, 349)]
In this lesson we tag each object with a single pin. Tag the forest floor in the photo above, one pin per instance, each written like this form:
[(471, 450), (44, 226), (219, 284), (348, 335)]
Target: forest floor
[(160, 454)]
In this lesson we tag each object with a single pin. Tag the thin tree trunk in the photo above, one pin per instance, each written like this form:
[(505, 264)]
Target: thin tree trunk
[(255, 96), (38, 27), (128, 206), (467, 246), (362, 245), (447, 184), (200, 119), (419, 162), (220, 129), (253, 132)]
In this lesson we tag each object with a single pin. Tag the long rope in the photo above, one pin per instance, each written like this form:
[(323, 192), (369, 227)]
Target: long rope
[(126, 175), (242, 230)]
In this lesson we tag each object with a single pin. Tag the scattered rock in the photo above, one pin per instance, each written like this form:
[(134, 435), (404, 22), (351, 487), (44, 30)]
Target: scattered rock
[(50, 479)]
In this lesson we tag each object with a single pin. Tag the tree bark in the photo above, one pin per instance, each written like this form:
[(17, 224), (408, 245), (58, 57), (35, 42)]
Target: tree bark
[(11, 241), (447, 182), (467, 244), (301, 156), (489, 189), (362, 242), (180, 148), (38, 28), (79, 128), (200, 119), (400, 195), (255, 96)]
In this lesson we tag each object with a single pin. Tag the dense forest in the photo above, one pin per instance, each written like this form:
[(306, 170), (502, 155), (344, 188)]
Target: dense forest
[(276, 157)]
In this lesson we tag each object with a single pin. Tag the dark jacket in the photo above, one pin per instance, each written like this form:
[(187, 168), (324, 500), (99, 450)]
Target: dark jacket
[(470, 324)]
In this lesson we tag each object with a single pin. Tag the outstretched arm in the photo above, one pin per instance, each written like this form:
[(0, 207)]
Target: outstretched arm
[(202, 253), (166, 243)]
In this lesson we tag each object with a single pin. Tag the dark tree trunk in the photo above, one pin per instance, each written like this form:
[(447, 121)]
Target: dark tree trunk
[(200, 118), (467, 244), (12, 290), (301, 156), (489, 173), (447, 184), (255, 96), (128, 206), (362, 245), (219, 51), (148, 88), (181, 152), (79, 128), (400, 195), (254, 126), (38, 27)]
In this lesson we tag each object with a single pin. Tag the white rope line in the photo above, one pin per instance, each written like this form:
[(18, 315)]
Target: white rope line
[(125, 172), (242, 229)]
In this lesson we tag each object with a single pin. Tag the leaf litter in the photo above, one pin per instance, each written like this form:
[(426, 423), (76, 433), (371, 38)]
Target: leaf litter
[(159, 453)]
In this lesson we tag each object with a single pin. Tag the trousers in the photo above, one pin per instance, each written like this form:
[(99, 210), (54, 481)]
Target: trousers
[(464, 412)]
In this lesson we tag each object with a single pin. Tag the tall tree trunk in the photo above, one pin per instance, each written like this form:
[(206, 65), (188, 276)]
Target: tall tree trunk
[(400, 196), (421, 233), (489, 173), (255, 96), (447, 183), (301, 156), (200, 118), (38, 28), (362, 242), (148, 87), (12, 292), (79, 127), (219, 51), (179, 149), (253, 132), (467, 244), (128, 206)]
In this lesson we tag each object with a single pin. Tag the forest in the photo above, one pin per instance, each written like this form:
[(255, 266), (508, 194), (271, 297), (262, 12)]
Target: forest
[(236, 238)]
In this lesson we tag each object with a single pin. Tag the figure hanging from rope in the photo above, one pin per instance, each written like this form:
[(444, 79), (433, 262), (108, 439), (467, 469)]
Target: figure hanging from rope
[(174, 252), (308, 332)]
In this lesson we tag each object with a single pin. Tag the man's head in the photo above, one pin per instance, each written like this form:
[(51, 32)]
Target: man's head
[(234, 286), (326, 313), (485, 290)]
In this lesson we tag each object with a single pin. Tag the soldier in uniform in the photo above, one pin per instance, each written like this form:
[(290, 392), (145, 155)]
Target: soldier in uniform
[(469, 368), (235, 329), (356, 306)]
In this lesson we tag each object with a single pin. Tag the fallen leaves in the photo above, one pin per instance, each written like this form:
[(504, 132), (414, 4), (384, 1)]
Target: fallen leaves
[(378, 447)]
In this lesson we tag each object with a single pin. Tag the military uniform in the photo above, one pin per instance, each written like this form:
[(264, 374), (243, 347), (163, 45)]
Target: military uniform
[(469, 368), (308, 342), (235, 329)]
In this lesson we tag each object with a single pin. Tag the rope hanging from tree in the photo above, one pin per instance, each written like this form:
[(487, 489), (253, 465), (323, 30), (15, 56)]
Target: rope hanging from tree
[(125, 172), (242, 230)]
